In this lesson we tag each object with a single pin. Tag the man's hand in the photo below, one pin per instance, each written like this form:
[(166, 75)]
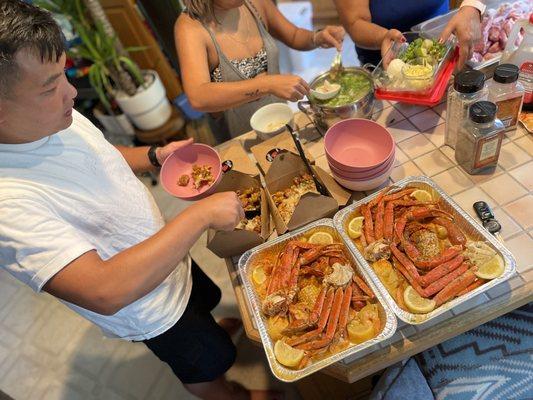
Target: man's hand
[(466, 25), (222, 210), (163, 152)]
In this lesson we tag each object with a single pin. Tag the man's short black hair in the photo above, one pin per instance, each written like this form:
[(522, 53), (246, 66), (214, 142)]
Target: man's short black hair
[(26, 27)]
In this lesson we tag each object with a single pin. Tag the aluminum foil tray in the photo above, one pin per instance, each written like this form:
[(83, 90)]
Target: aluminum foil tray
[(469, 226), (245, 267)]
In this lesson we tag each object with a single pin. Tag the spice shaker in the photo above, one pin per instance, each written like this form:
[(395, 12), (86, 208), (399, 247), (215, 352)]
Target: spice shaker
[(479, 139), (507, 93), (468, 87)]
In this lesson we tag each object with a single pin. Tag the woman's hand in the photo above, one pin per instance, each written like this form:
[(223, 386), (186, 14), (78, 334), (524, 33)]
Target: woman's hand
[(330, 36), (286, 87), (163, 152), (392, 36), (466, 25)]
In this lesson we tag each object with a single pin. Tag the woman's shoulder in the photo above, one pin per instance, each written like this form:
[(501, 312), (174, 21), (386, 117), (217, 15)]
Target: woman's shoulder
[(260, 7), (187, 25)]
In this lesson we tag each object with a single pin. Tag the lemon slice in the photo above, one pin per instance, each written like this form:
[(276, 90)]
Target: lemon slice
[(422, 195), (258, 276), (417, 304), (287, 355), (491, 269), (355, 227), (360, 332), (321, 238)]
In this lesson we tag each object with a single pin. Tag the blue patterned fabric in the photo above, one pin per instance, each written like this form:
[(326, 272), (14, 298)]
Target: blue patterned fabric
[(491, 362)]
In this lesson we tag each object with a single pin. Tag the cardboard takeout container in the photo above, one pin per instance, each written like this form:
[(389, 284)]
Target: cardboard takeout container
[(266, 152), (311, 206)]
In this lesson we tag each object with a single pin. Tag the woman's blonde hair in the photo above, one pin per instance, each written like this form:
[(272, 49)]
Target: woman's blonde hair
[(202, 10)]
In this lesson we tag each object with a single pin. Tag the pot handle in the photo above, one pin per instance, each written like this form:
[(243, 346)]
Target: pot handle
[(305, 107), (369, 67)]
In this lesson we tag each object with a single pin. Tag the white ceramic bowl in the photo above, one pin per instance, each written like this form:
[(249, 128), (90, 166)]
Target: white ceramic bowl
[(272, 114), (360, 186), (326, 95)]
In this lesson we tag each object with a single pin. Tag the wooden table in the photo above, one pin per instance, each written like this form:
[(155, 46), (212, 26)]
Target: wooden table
[(419, 136)]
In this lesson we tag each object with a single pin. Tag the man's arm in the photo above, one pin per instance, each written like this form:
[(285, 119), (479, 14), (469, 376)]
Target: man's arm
[(137, 157), (107, 286)]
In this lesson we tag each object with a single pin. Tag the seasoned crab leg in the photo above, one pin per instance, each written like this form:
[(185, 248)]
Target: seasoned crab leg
[(368, 224), (441, 270), (378, 226), (316, 251), (345, 311), (361, 283), (455, 287), (358, 297), (478, 282), (321, 322), (436, 286), (318, 343)]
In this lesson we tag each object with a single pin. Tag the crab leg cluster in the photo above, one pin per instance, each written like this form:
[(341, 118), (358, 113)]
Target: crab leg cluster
[(342, 292), (391, 219)]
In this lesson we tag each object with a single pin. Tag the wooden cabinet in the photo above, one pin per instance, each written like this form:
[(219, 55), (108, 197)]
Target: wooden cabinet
[(132, 31)]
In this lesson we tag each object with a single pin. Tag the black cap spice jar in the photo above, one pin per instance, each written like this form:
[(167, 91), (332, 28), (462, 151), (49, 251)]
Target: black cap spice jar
[(479, 139), (468, 87), (507, 93)]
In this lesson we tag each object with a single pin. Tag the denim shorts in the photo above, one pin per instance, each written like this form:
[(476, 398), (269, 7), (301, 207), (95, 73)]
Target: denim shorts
[(196, 347)]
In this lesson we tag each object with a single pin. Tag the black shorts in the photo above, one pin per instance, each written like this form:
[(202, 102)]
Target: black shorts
[(196, 347)]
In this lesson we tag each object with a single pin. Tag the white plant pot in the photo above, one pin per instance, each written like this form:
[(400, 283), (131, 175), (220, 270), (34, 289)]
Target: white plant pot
[(149, 108), (115, 124)]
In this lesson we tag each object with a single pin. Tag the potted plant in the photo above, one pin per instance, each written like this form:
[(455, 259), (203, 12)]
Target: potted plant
[(114, 76)]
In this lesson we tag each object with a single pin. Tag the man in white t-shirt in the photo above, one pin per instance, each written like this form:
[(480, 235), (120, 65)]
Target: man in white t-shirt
[(77, 223)]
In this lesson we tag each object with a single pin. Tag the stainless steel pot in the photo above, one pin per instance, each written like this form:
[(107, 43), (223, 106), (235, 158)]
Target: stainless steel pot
[(324, 116)]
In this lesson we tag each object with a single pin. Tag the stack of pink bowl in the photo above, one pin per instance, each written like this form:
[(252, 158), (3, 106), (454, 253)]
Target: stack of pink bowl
[(360, 153)]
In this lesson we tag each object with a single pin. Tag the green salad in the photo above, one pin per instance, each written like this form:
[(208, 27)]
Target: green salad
[(424, 52), (353, 87)]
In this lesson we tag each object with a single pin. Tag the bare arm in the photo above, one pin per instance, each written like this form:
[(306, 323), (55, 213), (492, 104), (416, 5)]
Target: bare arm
[(356, 19), (297, 38), (208, 96), (107, 286), (137, 158)]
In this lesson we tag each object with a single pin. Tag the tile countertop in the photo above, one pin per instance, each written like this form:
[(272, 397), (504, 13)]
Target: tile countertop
[(419, 135), (420, 150)]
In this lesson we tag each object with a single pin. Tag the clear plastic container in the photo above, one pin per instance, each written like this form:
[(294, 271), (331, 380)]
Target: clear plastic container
[(401, 81), (468, 88), (507, 93), (522, 57), (433, 28), (480, 139)]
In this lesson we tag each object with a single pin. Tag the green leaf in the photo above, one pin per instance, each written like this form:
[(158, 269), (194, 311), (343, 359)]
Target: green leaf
[(133, 69)]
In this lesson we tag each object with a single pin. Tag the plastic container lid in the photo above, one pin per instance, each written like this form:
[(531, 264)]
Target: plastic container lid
[(506, 73), (483, 112), (470, 81)]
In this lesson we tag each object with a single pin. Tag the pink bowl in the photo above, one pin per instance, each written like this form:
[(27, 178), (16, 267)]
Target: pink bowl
[(369, 174), (357, 145), (367, 184), (181, 161)]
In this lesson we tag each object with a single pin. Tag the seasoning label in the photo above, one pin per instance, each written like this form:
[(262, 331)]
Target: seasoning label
[(487, 151), (508, 111)]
